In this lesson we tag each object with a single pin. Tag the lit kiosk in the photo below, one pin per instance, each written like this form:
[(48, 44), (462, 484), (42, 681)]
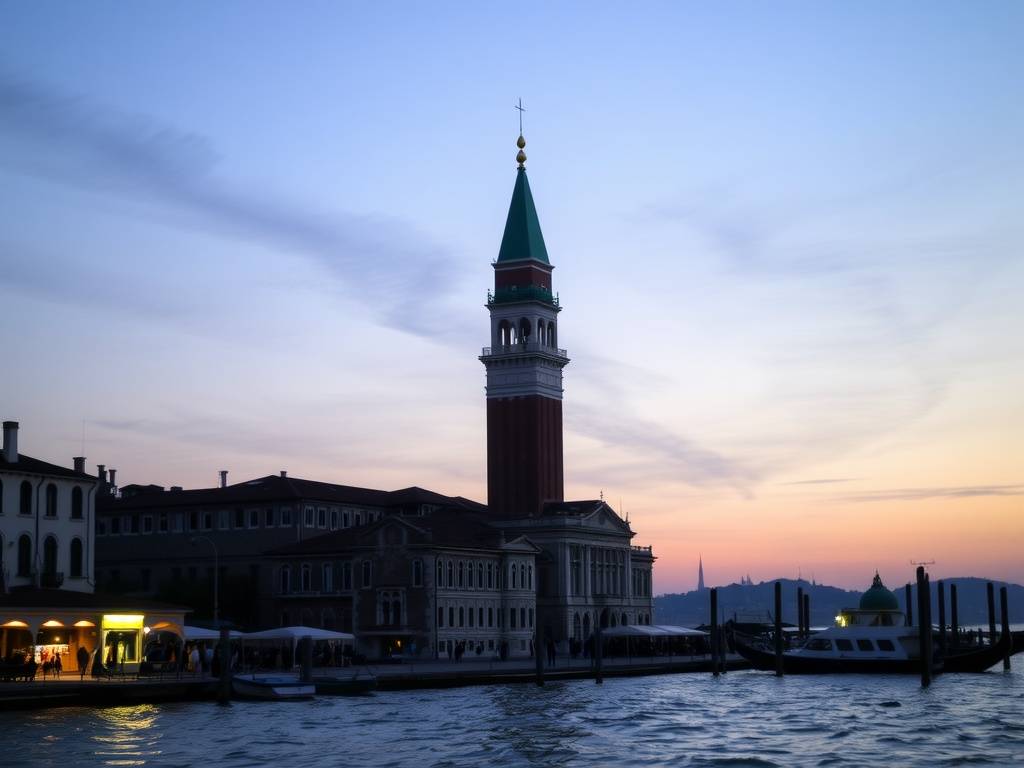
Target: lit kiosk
[(524, 367)]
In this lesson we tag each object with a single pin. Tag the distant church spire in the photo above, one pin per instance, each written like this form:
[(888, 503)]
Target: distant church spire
[(700, 574)]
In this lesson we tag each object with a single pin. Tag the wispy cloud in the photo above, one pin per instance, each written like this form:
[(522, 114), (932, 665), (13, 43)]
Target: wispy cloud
[(378, 260), (918, 494), (823, 481)]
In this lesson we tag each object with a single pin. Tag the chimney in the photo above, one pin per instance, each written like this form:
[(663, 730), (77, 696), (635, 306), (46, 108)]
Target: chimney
[(11, 442), (113, 474), (101, 472), (223, 478), (284, 473), (176, 488), (79, 464)]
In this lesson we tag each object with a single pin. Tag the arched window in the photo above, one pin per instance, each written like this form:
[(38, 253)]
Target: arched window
[(24, 555), (76, 503), (490, 577), (440, 573), (286, 579), (385, 611), (552, 341), (460, 573), (469, 575), (540, 332), (396, 609), (76, 558), (625, 620), (307, 578), (51, 500), (529, 573), (480, 575), (50, 555), (25, 505), (577, 628), (524, 331), (417, 573), (515, 574), (451, 575)]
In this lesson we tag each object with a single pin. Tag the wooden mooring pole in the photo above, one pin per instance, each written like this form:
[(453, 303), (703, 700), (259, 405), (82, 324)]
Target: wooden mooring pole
[(800, 611), (778, 628), (910, 606), (922, 634), (224, 691), (807, 616), (307, 659), (942, 618), (714, 631), (991, 612), (538, 661), (954, 616), (1003, 604)]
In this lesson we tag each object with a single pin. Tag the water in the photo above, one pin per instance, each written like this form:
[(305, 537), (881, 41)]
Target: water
[(741, 719)]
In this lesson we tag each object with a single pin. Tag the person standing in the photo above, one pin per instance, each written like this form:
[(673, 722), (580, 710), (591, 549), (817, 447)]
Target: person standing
[(82, 657)]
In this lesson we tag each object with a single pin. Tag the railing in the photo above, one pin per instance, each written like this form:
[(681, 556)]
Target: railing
[(643, 549), (521, 293), (520, 349)]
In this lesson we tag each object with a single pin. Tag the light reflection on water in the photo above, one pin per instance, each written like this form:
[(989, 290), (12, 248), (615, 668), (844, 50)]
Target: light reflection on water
[(741, 719)]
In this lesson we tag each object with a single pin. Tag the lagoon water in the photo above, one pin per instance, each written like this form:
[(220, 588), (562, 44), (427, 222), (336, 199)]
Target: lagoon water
[(741, 719)]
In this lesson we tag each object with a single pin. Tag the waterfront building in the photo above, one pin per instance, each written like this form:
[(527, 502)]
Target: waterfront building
[(205, 547), (47, 601), (436, 585)]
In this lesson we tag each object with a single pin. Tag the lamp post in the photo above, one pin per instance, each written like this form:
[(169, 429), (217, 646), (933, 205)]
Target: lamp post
[(216, 573)]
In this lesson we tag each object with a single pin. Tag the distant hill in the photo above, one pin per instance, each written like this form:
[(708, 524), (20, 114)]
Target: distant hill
[(754, 602)]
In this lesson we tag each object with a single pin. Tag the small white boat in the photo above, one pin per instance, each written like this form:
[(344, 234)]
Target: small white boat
[(272, 687)]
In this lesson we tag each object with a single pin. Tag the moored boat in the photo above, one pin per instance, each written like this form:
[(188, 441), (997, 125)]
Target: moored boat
[(354, 685), (272, 687), (874, 638)]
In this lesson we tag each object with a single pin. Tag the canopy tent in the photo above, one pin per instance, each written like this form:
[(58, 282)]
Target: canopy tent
[(292, 636), (651, 630), (193, 634), (297, 633)]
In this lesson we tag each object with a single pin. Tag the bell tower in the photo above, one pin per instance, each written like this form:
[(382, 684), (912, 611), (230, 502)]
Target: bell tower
[(524, 366)]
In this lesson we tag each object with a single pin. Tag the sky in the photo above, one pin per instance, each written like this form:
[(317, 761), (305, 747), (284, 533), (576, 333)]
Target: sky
[(787, 236)]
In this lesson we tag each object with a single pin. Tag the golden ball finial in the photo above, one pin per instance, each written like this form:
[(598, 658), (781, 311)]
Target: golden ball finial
[(521, 142), (521, 157)]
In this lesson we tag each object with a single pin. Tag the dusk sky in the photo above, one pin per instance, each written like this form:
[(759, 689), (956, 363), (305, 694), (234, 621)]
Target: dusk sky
[(788, 239)]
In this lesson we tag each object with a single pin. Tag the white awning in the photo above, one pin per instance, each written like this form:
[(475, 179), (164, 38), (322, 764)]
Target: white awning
[(297, 633), (651, 630), (201, 633)]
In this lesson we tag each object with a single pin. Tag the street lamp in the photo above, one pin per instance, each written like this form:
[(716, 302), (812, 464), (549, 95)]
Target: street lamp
[(216, 573)]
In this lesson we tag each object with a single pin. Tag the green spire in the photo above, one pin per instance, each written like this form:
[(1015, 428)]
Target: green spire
[(522, 238)]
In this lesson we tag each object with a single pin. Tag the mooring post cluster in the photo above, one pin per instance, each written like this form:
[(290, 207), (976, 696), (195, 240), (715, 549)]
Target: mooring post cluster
[(714, 632), (778, 628)]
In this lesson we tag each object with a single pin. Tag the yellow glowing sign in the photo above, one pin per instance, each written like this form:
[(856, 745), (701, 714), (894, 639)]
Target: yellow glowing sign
[(84, 623), (52, 623), (841, 620), (16, 623), (122, 621)]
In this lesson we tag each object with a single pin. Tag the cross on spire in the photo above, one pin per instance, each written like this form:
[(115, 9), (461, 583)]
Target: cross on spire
[(521, 109)]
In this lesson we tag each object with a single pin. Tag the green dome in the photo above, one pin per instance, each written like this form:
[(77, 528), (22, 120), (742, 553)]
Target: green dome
[(878, 598)]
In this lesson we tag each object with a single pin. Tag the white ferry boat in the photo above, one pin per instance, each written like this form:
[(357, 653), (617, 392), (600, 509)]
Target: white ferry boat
[(873, 638)]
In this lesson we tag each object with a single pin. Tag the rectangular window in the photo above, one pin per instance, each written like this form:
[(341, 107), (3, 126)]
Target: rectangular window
[(193, 520), (490, 617), (863, 644), (321, 517), (462, 616), (480, 616), (115, 526), (239, 518), (177, 522), (346, 519), (511, 618), (147, 524), (367, 574), (440, 616), (207, 521), (346, 575), (522, 618), (224, 519), (843, 645), (451, 617), (334, 519), (471, 616), (134, 520), (309, 517), (163, 525), (286, 517), (328, 576), (101, 527), (254, 518), (268, 518), (417, 573), (885, 645)]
